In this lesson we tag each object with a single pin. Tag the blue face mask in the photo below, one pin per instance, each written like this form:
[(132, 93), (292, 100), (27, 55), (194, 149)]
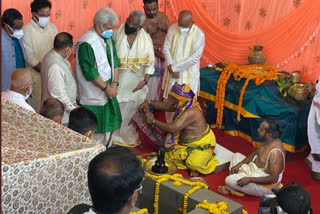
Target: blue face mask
[(107, 34)]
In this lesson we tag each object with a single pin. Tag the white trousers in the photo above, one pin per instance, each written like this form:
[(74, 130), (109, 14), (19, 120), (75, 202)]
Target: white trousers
[(249, 189)]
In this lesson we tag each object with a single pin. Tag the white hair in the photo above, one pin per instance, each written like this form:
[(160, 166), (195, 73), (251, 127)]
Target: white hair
[(138, 14), (105, 16)]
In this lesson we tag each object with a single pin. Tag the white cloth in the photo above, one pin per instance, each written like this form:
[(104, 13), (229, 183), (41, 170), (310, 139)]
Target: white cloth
[(37, 43), (16, 98), (249, 170), (88, 93), (57, 81), (103, 138), (314, 129), (142, 53), (179, 62)]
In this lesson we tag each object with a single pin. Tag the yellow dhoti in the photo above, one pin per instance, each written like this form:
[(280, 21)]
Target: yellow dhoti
[(195, 154)]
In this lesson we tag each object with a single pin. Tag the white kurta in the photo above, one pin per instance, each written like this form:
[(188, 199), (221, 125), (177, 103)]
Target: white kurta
[(16, 98), (58, 82), (180, 63), (129, 102), (37, 42), (314, 129)]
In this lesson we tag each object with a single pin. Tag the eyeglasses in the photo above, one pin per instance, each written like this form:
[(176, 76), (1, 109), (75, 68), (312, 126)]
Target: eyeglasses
[(139, 189)]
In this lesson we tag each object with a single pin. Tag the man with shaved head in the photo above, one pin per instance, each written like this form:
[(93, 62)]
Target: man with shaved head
[(57, 79), (21, 88), (183, 49)]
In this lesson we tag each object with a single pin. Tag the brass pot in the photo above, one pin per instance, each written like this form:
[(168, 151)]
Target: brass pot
[(295, 77), (300, 92), (256, 56)]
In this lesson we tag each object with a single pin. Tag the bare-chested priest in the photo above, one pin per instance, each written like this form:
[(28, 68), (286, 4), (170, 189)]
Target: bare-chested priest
[(189, 138), (156, 24), (261, 170)]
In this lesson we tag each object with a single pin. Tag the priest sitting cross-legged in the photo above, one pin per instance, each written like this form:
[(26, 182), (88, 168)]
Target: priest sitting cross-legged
[(189, 138), (261, 170)]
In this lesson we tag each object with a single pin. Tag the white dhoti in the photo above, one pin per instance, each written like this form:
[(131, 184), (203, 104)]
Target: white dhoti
[(314, 135), (247, 170), (135, 63), (103, 138)]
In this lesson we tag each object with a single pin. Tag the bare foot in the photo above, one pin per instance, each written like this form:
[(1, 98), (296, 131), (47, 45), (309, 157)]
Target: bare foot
[(194, 173), (223, 190)]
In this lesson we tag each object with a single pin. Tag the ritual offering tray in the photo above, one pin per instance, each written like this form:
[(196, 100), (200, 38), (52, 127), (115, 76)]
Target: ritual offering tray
[(151, 162)]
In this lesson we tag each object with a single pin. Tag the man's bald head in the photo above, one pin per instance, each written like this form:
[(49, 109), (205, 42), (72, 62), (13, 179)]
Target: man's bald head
[(21, 79), (185, 19)]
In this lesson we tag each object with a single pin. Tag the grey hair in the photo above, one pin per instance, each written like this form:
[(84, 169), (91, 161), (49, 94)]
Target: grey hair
[(140, 15), (105, 16)]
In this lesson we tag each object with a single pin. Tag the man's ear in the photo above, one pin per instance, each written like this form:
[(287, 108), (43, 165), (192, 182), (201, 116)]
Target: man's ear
[(58, 119), (89, 134), (133, 199), (269, 135)]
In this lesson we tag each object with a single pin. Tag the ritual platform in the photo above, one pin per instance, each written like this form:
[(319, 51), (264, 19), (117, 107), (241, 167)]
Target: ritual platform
[(44, 164), (259, 102)]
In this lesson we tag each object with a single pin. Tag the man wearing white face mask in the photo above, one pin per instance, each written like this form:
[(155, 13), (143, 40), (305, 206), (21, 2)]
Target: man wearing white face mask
[(183, 49), (38, 39), (12, 51), (21, 88), (96, 73), (57, 79)]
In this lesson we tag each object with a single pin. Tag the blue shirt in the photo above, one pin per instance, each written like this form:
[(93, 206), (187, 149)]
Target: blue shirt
[(8, 58), (19, 54)]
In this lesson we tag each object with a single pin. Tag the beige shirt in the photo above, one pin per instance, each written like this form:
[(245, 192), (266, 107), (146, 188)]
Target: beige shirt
[(37, 41)]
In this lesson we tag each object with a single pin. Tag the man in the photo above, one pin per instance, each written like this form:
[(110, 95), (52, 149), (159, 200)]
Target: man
[(156, 24), (114, 181), (189, 139), (135, 51), (313, 160), (53, 109), (12, 51), (21, 88), (183, 48), (261, 170), (83, 121), (38, 39), (290, 199), (57, 79), (97, 75), (293, 199)]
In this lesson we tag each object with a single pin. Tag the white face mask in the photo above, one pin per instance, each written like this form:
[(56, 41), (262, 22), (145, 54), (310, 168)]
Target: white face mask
[(184, 29), (28, 95), (18, 34), (43, 21)]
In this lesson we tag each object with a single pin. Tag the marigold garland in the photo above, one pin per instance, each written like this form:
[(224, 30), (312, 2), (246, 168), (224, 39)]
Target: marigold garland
[(259, 73), (175, 178), (217, 208), (142, 211)]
